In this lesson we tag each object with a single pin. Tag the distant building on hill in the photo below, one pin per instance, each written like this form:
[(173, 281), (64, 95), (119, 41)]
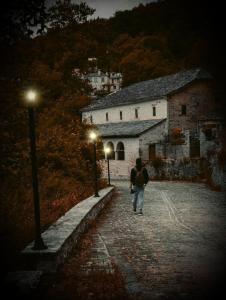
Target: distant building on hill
[(106, 82), (101, 82)]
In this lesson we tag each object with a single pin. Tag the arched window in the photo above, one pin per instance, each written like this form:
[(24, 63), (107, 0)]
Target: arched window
[(111, 155), (120, 151)]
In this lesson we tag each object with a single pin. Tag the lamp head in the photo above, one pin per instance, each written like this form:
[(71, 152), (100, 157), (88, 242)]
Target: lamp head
[(107, 150), (93, 135), (31, 96)]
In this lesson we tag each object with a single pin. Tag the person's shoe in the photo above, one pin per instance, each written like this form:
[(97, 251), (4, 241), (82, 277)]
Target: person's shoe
[(134, 210), (140, 212)]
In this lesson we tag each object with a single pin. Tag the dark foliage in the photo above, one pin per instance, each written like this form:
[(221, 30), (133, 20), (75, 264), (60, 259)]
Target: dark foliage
[(19, 17)]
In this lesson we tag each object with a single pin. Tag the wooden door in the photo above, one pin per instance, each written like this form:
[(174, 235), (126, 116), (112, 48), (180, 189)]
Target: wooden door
[(152, 151)]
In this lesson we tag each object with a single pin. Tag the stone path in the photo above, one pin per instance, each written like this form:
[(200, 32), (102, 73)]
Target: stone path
[(176, 250)]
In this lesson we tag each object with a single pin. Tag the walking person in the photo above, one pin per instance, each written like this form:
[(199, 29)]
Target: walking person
[(138, 180)]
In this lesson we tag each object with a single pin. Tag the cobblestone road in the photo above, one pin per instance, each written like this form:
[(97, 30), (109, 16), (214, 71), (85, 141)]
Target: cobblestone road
[(176, 250)]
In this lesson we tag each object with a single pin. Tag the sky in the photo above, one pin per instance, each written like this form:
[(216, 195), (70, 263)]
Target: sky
[(107, 8)]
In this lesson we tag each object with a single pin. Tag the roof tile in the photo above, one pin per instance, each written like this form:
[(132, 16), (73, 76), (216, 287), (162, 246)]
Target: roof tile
[(126, 129)]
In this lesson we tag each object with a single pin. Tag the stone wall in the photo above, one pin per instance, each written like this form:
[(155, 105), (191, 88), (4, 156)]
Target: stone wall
[(197, 170), (152, 136), (198, 98), (215, 144), (179, 151)]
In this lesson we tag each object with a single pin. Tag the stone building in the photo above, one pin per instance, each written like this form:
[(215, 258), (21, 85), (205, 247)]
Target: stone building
[(158, 117), (103, 81)]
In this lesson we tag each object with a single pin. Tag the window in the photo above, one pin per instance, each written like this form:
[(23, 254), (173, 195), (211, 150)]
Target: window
[(209, 134), (107, 119), (183, 110), (120, 115), (136, 113), (120, 151), (91, 119), (154, 111)]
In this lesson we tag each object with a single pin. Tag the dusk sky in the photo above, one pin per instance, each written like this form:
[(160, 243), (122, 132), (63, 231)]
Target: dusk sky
[(107, 8)]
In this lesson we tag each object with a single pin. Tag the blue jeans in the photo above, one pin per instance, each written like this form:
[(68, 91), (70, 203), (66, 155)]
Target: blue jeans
[(138, 200)]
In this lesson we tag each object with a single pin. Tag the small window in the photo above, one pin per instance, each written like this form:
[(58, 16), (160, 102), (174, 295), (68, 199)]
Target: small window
[(154, 111), (120, 151), (209, 134), (107, 119), (120, 115), (183, 110), (136, 113)]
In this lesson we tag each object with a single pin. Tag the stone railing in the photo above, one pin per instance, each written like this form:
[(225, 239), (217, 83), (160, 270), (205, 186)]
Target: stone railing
[(63, 235)]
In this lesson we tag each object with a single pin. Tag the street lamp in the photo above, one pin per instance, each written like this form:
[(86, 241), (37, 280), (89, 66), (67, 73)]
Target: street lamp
[(93, 137), (107, 151), (31, 100)]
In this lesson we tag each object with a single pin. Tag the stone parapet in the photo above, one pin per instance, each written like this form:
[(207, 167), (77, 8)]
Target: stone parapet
[(63, 235)]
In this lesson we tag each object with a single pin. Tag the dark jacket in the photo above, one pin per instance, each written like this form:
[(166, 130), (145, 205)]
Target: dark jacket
[(134, 172)]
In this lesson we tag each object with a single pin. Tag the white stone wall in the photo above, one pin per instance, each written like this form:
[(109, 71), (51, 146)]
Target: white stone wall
[(134, 147), (131, 146), (122, 168), (118, 169), (145, 112), (101, 81), (97, 82)]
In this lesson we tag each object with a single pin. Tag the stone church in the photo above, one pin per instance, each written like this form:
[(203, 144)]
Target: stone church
[(153, 118)]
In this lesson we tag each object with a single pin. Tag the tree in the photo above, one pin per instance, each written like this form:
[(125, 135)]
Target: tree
[(19, 19), (65, 13)]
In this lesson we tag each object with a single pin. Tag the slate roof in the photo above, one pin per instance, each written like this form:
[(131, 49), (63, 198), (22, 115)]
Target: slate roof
[(126, 129), (149, 89)]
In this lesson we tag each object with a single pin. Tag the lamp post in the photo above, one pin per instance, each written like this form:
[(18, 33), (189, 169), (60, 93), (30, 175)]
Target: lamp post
[(31, 100), (93, 137), (107, 151)]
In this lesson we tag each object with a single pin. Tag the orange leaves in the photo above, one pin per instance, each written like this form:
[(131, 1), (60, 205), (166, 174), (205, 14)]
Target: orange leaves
[(176, 136), (176, 132), (42, 72), (143, 57)]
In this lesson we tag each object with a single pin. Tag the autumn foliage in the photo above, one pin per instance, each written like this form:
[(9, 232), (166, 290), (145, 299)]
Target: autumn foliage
[(177, 136)]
